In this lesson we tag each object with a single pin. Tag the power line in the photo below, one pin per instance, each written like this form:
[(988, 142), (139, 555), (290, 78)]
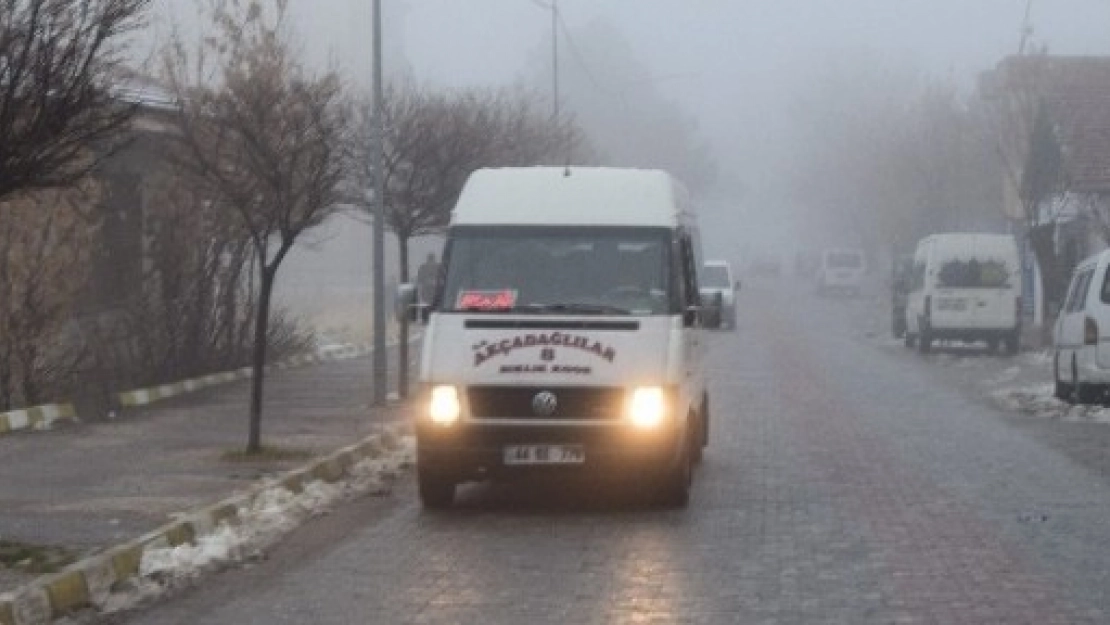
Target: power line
[(578, 58)]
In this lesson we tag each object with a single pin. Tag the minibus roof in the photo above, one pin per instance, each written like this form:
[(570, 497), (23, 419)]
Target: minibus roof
[(964, 245), (571, 196)]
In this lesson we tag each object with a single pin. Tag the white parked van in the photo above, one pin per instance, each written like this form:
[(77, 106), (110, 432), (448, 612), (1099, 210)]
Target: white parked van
[(1081, 362), (566, 332), (717, 280), (965, 287), (841, 271)]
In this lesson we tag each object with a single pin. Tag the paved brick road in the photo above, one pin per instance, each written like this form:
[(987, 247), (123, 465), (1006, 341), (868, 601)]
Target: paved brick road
[(845, 484)]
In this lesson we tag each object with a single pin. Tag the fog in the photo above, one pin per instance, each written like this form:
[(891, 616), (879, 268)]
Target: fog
[(729, 73)]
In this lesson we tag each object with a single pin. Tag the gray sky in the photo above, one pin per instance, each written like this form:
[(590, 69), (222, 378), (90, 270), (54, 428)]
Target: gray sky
[(732, 64)]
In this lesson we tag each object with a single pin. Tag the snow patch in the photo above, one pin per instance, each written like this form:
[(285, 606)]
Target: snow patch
[(1040, 402), (264, 518)]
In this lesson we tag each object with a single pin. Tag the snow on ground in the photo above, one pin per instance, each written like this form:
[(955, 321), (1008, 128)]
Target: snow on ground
[(264, 519), (1027, 387), (1039, 402)]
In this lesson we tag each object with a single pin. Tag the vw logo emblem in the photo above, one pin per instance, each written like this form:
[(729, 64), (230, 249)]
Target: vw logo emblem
[(545, 403)]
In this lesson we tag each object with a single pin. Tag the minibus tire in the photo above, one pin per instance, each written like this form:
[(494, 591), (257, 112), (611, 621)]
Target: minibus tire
[(701, 431), (1011, 343), (924, 342), (675, 490), (437, 491), (1063, 392)]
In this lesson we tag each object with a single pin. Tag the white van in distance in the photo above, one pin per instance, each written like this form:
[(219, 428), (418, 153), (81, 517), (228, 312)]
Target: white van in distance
[(717, 280), (841, 271), (965, 287), (1081, 362), (566, 333)]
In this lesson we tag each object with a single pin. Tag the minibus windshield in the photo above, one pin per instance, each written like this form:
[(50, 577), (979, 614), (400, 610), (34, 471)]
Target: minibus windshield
[(557, 270)]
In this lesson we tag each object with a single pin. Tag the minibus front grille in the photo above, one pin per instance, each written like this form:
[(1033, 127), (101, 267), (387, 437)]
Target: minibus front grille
[(550, 324), (570, 403)]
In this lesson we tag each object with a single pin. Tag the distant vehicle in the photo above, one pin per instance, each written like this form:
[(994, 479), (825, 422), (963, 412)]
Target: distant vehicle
[(767, 266), (566, 338), (1081, 358), (965, 287), (841, 271), (717, 278), (900, 276)]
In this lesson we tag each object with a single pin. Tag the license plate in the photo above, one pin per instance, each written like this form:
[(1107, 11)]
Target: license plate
[(951, 304), (544, 454)]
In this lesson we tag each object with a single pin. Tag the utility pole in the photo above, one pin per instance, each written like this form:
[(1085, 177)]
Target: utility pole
[(1026, 29), (555, 57), (380, 371)]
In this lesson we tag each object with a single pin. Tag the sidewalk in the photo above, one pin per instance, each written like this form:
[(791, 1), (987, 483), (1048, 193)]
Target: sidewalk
[(84, 487)]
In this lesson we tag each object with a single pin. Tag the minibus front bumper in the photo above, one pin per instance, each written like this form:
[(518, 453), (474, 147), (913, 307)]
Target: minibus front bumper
[(475, 451)]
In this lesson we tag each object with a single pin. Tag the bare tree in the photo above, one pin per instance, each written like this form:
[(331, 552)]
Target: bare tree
[(269, 140), (434, 140), (45, 244), (888, 155), (57, 62), (1031, 157)]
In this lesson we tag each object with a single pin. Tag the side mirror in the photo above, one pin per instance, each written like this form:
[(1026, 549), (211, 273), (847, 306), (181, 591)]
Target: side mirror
[(736, 286), (711, 305), (405, 305)]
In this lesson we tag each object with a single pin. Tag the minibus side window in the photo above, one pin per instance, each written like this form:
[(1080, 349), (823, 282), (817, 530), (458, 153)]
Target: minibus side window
[(1105, 294), (1078, 294)]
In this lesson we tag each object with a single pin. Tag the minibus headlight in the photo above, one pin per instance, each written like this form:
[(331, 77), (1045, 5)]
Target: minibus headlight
[(444, 407), (647, 406)]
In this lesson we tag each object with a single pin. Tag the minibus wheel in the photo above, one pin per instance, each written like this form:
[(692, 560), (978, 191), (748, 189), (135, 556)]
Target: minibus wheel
[(437, 490), (924, 342), (1061, 390), (675, 489)]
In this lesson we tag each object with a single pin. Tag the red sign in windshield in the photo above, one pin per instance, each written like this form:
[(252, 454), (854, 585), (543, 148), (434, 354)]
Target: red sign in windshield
[(486, 300)]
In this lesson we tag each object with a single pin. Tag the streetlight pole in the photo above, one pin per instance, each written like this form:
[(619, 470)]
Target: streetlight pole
[(555, 56), (378, 154)]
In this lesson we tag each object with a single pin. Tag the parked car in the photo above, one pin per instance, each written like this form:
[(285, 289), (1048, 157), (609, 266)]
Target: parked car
[(901, 275), (717, 279), (965, 287), (1081, 353), (841, 271)]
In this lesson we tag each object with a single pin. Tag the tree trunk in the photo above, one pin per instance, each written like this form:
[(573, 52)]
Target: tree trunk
[(5, 379), (403, 334), (1054, 277), (258, 361)]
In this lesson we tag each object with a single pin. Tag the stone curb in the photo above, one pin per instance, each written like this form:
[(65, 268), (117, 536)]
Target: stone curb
[(146, 396), (36, 418), (43, 417), (87, 583)]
